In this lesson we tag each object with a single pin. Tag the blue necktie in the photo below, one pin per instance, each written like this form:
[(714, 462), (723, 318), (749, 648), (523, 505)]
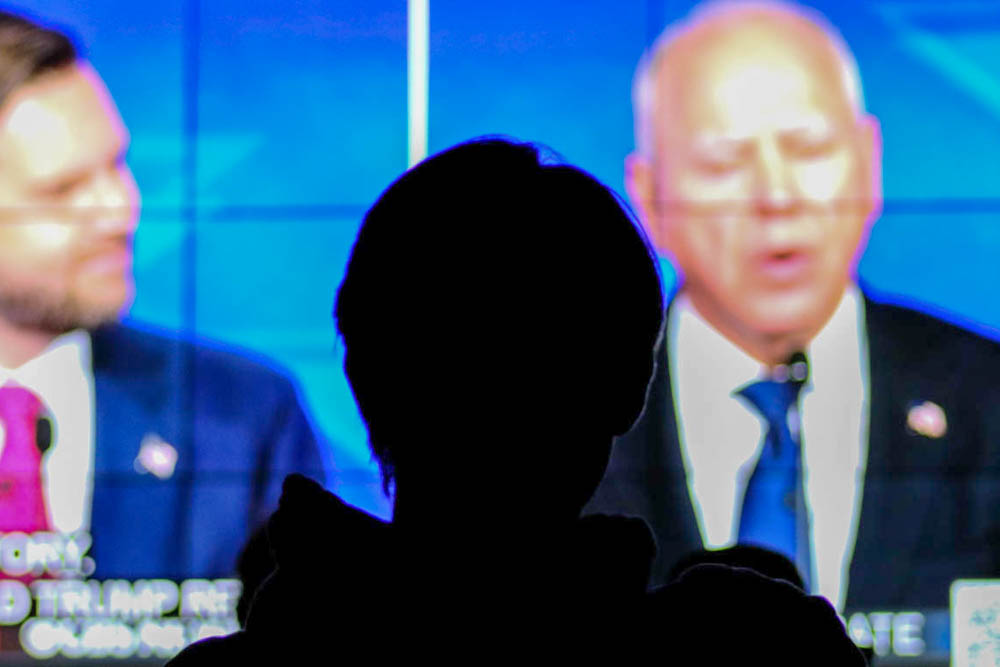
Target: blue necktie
[(774, 512)]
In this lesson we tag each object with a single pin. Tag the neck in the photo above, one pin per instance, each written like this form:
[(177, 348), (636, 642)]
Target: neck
[(19, 344), (770, 349)]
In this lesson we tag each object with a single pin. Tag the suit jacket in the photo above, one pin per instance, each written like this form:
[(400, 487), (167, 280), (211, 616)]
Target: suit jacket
[(930, 510), (238, 429)]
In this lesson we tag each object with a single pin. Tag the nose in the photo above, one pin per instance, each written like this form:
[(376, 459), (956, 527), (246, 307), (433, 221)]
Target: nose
[(775, 193), (115, 200)]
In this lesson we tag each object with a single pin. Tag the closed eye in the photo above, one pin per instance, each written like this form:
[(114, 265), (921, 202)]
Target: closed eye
[(808, 145)]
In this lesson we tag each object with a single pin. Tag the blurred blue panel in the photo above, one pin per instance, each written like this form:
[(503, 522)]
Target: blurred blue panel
[(276, 273), (300, 102), (269, 284), (160, 270), (946, 264), (540, 70), (302, 122), (935, 84)]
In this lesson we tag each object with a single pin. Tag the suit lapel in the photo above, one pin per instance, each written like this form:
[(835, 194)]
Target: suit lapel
[(897, 491)]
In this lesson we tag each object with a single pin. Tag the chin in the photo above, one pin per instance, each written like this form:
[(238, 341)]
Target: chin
[(89, 313), (105, 297), (796, 314)]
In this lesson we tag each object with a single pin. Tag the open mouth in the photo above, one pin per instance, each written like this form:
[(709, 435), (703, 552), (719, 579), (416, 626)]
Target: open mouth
[(784, 266)]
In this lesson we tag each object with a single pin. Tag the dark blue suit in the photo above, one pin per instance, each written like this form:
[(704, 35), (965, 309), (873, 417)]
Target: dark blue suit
[(930, 510), (238, 428)]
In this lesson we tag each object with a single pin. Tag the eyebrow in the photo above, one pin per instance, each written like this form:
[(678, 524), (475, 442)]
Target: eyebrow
[(709, 139), (707, 144)]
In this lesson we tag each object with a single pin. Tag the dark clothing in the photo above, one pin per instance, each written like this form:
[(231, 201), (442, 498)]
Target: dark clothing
[(344, 574), (928, 510), (238, 429)]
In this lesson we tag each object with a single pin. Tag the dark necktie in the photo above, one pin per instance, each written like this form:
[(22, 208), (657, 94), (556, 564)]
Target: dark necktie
[(774, 511), (22, 502)]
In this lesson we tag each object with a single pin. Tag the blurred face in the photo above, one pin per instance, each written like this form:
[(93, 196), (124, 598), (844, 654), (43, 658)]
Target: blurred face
[(761, 184), (68, 204)]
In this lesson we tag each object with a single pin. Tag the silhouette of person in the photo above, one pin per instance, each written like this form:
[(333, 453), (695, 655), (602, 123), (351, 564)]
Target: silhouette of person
[(770, 564), (763, 561), (498, 315), (718, 614)]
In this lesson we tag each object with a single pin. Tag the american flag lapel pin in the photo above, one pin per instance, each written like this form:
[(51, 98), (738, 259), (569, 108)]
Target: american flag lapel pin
[(927, 419), (156, 456)]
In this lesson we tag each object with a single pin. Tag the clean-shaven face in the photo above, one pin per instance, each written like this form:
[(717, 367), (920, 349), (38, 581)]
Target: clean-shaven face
[(761, 182)]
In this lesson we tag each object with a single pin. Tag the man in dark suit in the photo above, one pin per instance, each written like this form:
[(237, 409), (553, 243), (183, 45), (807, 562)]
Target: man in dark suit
[(757, 172), (165, 451)]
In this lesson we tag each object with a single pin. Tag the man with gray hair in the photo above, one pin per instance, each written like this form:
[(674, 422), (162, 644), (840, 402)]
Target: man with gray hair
[(791, 410)]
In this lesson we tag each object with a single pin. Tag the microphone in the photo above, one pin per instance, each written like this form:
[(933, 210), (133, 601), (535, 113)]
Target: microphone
[(43, 434), (798, 367), (795, 369)]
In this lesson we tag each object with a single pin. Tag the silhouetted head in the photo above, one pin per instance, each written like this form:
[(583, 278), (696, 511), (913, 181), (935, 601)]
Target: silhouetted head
[(757, 169), (498, 317)]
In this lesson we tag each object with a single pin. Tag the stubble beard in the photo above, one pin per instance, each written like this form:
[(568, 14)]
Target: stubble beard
[(58, 313)]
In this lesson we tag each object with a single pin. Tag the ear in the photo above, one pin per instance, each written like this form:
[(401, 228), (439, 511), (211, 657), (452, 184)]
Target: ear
[(871, 154), (640, 183)]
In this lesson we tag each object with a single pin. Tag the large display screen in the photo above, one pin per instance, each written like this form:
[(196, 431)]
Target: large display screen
[(259, 135)]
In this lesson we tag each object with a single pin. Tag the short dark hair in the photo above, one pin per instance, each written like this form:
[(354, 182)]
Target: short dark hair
[(29, 50), (488, 274)]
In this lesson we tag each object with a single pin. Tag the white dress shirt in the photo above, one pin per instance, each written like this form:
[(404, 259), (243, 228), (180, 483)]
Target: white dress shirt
[(721, 436), (61, 377)]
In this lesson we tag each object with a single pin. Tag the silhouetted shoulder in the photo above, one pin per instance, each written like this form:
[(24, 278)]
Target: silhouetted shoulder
[(717, 614), (311, 521), (229, 650), (613, 555)]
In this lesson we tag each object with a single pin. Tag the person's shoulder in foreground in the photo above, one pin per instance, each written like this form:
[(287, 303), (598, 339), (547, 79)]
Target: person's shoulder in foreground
[(331, 580), (717, 614)]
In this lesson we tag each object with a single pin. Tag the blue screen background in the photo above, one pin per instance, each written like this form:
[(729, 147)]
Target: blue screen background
[(263, 129)]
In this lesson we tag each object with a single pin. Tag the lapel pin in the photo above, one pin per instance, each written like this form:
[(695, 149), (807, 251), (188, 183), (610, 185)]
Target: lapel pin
[(927, 419), (156, 456)]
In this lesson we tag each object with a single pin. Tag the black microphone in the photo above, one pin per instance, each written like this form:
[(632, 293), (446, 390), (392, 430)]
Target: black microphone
[(43, 434), (798, 367)]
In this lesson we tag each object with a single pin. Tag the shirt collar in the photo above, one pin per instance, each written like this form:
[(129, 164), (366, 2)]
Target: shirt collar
[(46, 373), (697, 350), (837, 349), (722, 365)]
